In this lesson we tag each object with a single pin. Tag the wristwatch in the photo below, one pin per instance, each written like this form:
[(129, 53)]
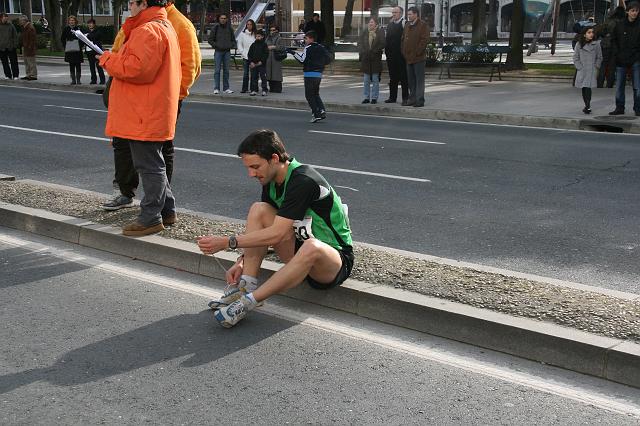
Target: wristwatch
[(233, 242)]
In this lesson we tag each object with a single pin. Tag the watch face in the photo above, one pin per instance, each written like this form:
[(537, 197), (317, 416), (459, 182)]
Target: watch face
[(233, 242)]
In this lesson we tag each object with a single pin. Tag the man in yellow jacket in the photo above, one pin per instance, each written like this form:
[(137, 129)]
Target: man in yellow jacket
[(126, 178)]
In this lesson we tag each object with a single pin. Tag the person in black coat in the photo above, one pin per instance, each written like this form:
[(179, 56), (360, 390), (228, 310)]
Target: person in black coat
[(395, 61), (625, 41), (316, 25), (258, 55), (72, 49), (95, 36)]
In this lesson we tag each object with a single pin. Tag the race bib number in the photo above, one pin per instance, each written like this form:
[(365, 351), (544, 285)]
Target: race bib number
[(302, 228)]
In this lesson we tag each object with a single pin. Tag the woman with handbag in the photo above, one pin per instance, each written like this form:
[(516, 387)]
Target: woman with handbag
[(72, 49), (274, 63)]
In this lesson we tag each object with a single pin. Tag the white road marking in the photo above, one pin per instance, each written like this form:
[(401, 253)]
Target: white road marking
[(347, 187), (222, 154), (76, 108), (376, 137), (356, 332), (49, 132)]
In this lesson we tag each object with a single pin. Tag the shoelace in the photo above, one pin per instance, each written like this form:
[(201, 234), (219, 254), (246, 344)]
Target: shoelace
[(236, 308)]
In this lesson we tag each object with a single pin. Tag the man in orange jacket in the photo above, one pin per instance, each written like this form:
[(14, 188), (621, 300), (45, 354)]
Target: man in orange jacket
[(126, 179), (143, 105)]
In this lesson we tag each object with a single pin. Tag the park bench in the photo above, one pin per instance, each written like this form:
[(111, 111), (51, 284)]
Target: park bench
[(457, 56)]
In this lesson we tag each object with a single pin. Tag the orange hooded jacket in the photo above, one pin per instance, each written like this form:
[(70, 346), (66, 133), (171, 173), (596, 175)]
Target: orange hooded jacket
[(190, 55), (143, 100)]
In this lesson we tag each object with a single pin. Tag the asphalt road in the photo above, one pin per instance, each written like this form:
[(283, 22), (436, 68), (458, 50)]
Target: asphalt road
[(91, 338), (550, 202)]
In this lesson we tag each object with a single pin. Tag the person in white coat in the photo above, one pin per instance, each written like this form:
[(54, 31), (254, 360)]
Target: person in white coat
[(587, 59), (245, 40)]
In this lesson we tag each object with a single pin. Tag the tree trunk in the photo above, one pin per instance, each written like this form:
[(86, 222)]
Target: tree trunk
[(326, 12), (117, 15), (52, 13), (225, 7), (204, 4), (74, 5), (348, 16), (25, 8), (492, 26), (375, 7), (308, 10), (516, 37), (479, 24)]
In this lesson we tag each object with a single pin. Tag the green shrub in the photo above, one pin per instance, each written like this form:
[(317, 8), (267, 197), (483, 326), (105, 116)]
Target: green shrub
[(42, 41)]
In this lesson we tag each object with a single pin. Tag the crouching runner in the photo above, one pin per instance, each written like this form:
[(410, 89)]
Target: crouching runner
[(299, 215)]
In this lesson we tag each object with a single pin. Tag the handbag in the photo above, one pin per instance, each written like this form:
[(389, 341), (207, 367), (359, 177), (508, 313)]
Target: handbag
[(279, 55), (72, 46), (105, 94)]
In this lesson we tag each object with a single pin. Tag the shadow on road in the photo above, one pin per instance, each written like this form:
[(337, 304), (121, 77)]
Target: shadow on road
[(21, 266), (188, 334)]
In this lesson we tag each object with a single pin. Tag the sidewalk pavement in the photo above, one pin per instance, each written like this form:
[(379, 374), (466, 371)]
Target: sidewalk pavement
[(527, 103)]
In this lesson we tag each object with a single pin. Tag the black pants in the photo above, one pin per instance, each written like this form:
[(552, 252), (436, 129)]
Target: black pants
[(586, 96), (74, 72), (607, 69), (10, 57), (93, 64), (312, 93), (398, 75), (259, 71), (126, 177)]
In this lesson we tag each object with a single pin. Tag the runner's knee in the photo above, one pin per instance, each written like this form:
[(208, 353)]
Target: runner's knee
[(262, 213)]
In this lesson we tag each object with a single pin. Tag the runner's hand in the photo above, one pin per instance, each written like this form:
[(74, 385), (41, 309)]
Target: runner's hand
[(234, 273), (211, 244)]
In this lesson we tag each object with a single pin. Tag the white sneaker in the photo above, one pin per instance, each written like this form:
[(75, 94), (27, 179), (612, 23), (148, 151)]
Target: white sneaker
[(264, 93), (216, 92), (228, 91), (231, 294), (253, 93), (232, 314)]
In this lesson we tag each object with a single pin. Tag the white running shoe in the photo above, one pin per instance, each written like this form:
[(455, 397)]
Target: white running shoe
[(232, 314), (228, 91), (216, 92), (231, 294)]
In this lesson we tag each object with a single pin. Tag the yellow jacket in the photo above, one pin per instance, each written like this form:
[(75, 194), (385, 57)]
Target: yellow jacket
[(190, 57)]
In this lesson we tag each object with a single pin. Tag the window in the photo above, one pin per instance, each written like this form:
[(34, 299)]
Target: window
[(16, 6), (102, 7)]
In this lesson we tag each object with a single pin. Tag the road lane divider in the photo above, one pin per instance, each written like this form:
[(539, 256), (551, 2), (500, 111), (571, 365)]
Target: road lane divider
[(222, 154), (75, 108), (356, 135)]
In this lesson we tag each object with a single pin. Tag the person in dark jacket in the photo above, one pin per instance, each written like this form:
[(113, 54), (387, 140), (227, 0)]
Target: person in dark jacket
[(72, 49), (604, 32), (95, 36), (370, 47), (28, 39), (313, 58), (415, 38), (316, 25), (222, 39), (8, 47), (258, 55), (625, 41), (395, 61)]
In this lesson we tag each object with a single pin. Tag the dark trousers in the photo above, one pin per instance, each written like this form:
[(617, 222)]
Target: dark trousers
[(9, 58), (312, 93), (93, 65), (126, 176), (398, 75), (607, 70), (74, 72), (259, 71), (158, 201)]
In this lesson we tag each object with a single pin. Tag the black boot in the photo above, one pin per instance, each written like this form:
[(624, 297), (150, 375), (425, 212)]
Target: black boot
[(78, 77), (73, 77), (617, 111)]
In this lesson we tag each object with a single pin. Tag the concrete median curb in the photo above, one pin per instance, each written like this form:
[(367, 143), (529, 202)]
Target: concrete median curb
[(590, 124), (603, 357)]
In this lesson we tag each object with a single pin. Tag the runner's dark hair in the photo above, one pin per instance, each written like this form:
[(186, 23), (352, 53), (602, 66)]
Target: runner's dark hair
[(264, 143)]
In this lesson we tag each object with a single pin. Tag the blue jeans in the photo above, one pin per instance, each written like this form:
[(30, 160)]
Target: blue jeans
[(221, 59), (371, 80), (245, 75), (621, 80)]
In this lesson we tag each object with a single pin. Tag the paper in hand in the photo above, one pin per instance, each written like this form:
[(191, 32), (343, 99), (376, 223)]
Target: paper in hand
[(88, 42)]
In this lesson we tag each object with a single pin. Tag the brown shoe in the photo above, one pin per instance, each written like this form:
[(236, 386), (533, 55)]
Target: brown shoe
[(135, 229), (170, 220)]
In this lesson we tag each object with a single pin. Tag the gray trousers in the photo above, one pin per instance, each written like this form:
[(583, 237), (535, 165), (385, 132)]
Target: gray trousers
[(415, 76), (30, 69), (158, 201)]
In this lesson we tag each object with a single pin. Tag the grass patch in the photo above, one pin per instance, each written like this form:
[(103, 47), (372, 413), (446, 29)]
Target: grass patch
[(47, 52)]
